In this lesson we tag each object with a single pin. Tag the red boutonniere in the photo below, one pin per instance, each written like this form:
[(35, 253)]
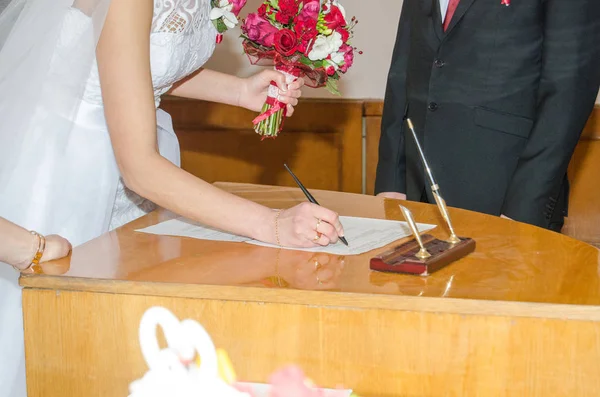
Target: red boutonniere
[(505, 2)]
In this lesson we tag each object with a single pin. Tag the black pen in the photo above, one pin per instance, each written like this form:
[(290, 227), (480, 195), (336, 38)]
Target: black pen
[(308, 195)]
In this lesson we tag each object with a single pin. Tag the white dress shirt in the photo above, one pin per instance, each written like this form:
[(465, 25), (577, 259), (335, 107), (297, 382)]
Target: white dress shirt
[(444, 8)]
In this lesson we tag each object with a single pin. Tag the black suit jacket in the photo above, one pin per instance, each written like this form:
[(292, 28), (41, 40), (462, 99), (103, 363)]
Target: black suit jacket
[(499, 101)]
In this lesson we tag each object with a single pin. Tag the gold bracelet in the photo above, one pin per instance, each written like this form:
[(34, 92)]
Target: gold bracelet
[(39, 253), (277, 227)]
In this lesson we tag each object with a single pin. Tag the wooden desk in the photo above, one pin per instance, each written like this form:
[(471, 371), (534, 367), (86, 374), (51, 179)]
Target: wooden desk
[(516, 318)]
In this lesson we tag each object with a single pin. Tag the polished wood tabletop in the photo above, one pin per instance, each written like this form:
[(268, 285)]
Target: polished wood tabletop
[(513, 263)]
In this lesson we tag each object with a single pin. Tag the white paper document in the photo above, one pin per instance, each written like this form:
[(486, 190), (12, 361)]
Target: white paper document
[(362, 234)]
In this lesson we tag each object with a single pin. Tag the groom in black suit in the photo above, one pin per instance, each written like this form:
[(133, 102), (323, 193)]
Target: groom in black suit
[(499, 92)]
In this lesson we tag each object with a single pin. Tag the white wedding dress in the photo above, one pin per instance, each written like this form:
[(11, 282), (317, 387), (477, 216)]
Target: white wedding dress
[(78, 190)]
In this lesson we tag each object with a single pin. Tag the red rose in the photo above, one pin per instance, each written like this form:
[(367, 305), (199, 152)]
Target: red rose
[(330, 70), (259, 30), (335, 18), (286, 42)]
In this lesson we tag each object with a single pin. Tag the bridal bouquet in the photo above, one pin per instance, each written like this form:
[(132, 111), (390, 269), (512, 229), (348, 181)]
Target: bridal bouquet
[(300, 38)]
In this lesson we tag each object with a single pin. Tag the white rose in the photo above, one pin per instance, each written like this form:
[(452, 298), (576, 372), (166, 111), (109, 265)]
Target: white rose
[(324, 46)]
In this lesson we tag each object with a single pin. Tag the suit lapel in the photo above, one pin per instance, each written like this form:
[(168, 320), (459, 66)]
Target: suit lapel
[(460, 12)]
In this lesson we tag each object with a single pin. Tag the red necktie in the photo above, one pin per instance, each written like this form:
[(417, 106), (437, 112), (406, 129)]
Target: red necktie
[(450, 13)]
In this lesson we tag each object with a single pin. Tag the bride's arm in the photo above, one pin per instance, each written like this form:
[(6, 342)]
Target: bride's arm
[(249, 93), (124, 66), (209, 85)]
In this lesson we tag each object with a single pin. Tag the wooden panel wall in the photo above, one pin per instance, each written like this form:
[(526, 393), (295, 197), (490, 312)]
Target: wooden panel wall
[(323, 144)]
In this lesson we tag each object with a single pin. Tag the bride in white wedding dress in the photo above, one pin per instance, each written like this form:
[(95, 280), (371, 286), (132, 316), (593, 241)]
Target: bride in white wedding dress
[(84, 147)]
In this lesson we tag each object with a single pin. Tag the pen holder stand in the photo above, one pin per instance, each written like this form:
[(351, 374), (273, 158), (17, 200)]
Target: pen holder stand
[(403, 259)]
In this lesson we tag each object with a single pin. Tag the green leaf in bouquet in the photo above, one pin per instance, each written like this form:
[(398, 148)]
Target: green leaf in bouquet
[(220, 25), (271, 18), (332, 86), (305, 60)]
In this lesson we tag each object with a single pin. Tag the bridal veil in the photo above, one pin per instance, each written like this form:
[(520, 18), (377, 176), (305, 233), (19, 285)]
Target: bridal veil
[(43, 73)]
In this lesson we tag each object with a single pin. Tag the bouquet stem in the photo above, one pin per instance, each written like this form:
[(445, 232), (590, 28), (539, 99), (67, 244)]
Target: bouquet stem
[(270, 121)]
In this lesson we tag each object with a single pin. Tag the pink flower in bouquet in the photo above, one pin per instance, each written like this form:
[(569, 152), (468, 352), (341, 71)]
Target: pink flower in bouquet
[(259, 30), (335, 19), (310, 11), (237, 6), (348, 57), (286, 42)]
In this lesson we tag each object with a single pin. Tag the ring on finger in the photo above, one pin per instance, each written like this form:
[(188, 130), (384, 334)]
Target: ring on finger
[(317, 226)]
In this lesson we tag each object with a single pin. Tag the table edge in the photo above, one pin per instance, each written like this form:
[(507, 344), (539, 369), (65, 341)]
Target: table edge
[(331, 299)]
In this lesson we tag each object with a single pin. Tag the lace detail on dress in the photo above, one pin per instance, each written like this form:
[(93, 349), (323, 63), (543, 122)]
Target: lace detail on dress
[(182, 39), (170, 17), (183, 30)]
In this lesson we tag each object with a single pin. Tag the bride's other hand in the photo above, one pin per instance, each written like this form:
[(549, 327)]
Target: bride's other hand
[(308, 225), (56, 247), (253, 93), (18, 246)]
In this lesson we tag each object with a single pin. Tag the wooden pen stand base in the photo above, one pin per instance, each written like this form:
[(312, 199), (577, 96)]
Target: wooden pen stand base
[(402, 259)]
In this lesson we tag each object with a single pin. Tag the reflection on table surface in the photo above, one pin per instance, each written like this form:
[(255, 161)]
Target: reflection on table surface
[(512, 262)]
